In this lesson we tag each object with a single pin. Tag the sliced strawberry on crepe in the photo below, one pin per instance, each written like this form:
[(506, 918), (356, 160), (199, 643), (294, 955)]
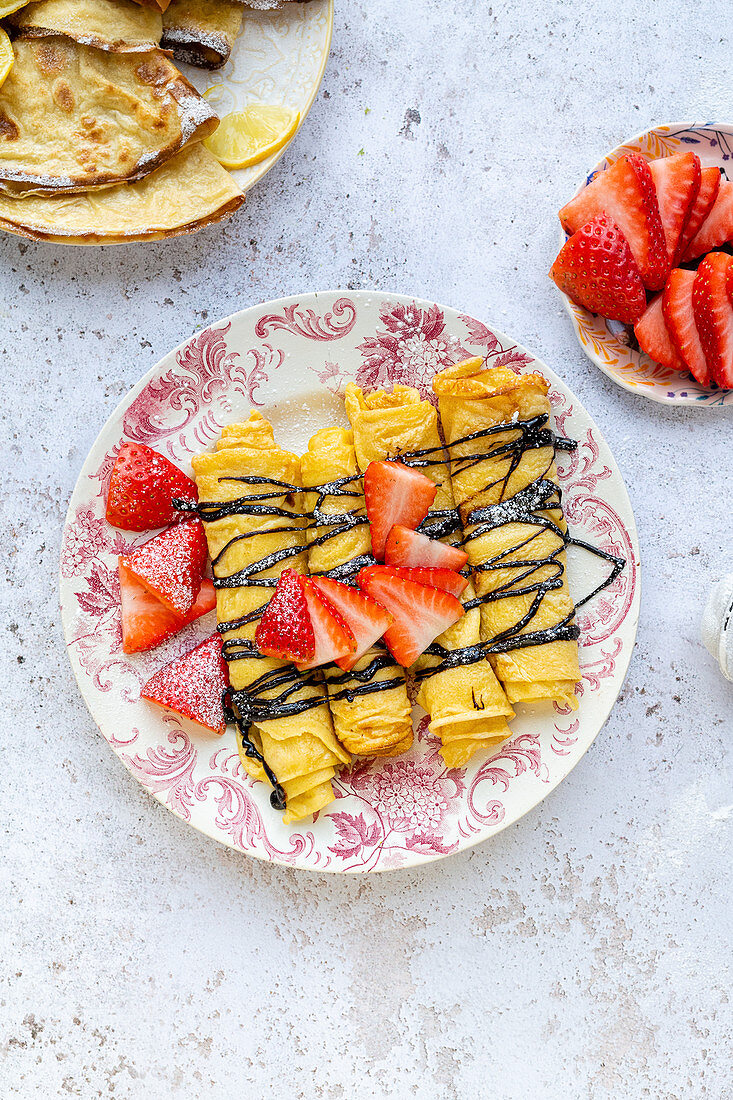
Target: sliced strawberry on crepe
[(333, 638), (411, 548), (171, 565), (395, 493), (445, 579), (596, 269), (680, 321), (193, 685), (714, 315), (285, 629), (677, 182), (625, 193), (146, 622), (420, 613), (142, 487), (366, 619), (703, 204), (654, 338), (717, 229)]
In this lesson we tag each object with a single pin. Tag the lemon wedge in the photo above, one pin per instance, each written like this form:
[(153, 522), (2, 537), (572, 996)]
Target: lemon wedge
[(244, 138), (7, 57)]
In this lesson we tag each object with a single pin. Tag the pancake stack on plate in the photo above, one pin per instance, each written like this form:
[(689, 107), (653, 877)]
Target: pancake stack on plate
[(100, 134)]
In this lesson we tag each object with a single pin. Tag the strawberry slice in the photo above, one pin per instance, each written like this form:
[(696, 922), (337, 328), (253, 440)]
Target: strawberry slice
[(366, 619), (142, 487), (285, 629), (333, 638), (146, 622), (596, 269), (717, 229), (625, 193), (420, 613), (677, 182), (193, 685), (680, 321), (171, 565), (654, 338), (714, 315), (395, 493), (445, 579), (703, 204), (411, 548)]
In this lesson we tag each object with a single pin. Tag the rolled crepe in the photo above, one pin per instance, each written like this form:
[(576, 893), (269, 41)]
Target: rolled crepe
[(189, 192), (291, 723), (468, 709), (371, 722), (510, 504), (74, 118), (202, 32), (116, 25)]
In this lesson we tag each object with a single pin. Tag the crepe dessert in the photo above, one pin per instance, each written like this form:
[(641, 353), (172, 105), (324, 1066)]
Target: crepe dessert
[(502, 464), (74, 118), (249, 502), (368, 720), (190, 191), (202, 32), (457, 687), (117, 25)]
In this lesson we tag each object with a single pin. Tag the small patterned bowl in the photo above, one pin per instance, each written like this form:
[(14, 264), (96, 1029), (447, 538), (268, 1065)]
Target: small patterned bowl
[(605, 342)]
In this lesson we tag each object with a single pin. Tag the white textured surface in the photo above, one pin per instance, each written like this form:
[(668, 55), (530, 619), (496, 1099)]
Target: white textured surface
[(584, 952)]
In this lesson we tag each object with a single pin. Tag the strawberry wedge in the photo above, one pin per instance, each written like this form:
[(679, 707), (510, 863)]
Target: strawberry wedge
[(171, 565), (714, 315), (703, 204), (146, 622), (421, 614), (333, 638), (625, 193), (413, 549), (445, 579), (596, 269), (285, 630), (193, 685), (677, 182), (366, 619), (680, 321), (717, 229), (653, 335), (142, 488), (395, 493)]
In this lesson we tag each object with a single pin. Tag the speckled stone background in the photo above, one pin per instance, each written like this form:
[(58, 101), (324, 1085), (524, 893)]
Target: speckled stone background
[(585, 951)]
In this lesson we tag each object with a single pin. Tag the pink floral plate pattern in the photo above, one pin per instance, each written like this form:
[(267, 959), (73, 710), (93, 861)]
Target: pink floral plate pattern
[(606, 342), (292, 359)]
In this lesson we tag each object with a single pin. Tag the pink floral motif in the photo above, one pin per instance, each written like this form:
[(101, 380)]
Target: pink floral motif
[(85, 538), (169, 771), (104, 471), (413, 348), (354, 834), (237, 815), (331, 378), (492, 350), (409, 794), (308, 324)]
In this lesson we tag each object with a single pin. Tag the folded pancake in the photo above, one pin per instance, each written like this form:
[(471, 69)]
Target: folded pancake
[(506, 487), (202, 32), (74, 118), (189, 192), (251, 509), (157, 5), (368, 721), (457, 687), (116, 25)]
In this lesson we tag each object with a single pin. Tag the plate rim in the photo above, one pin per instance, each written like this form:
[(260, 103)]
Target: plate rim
[(631, 620)]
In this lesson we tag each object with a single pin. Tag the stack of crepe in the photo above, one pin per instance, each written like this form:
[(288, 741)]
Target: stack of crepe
[(100, 134)]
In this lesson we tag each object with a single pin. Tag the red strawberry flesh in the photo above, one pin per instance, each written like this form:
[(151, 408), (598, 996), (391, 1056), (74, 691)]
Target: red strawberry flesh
[(395, 493), (717, 229), (596, 269), (285, 629), (445, 579), (680, 321), (714, 315), (421, 614), (677, 182), (367, 620), (333, 638), (171, 565), (413, 549), (142, 487), (703, 204), (146, 622), (193, 685), (654, 338)]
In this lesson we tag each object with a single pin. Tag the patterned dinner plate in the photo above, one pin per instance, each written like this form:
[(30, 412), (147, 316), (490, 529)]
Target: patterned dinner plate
[(603, 341), (279, 58), (292, 359)]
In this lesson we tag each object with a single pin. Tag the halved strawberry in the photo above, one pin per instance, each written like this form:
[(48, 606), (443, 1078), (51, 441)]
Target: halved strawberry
[(680, 321), (412, 548), (193, 685), (717, 229), (420, 613), (142, 487), (171, 565), (654, 338), (285, 629), (625, 193), (596, 269), (146, 622), (714, 315), (366, 619), (703, 204), (677, 182), (445, 579), (333, 638), (395, 493)]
